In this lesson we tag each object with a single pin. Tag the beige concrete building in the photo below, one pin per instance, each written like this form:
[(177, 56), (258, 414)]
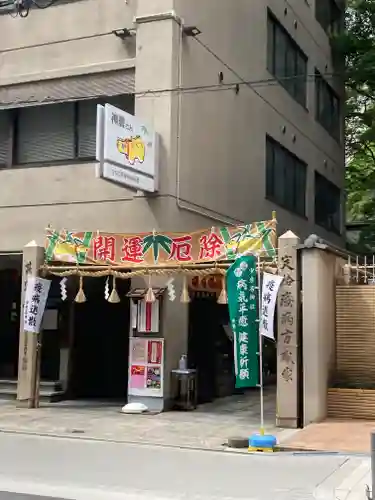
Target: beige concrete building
[(248, 111), (213, 155)]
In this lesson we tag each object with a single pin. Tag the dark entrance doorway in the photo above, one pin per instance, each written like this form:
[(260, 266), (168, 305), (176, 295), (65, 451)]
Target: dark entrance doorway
[(10, 298), (210, 349), (99, 358)]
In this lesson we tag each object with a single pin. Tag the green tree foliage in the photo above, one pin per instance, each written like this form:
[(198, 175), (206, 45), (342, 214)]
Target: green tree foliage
[(357, 46)]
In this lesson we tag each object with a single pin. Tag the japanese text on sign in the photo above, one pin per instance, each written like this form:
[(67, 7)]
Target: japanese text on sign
[(161, 248), (288, 325), (270, 288), (242, 301), (35, 302)]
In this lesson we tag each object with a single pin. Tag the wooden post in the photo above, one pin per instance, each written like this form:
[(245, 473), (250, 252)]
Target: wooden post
[(33, 258), (38, 362), (288, 333)]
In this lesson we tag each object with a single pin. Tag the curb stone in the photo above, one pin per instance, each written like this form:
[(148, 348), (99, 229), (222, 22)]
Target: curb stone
[(238, 442)]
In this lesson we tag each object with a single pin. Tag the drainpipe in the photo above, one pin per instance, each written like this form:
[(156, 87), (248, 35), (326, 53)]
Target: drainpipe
[(369, 493)]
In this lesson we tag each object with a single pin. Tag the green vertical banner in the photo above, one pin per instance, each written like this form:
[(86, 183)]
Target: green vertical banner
[(241, 282)]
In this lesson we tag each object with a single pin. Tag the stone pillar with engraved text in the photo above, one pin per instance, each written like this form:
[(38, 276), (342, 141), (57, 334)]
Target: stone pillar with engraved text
[(33, 258), (287, 411)]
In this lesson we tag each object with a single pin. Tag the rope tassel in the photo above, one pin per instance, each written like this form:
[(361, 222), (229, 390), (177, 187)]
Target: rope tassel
[(223, 297), (114, 297), (185, 297), (150, 296), (80, 297)]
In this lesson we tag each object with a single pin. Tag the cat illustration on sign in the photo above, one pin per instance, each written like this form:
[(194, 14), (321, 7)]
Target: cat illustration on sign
[(133, 148)]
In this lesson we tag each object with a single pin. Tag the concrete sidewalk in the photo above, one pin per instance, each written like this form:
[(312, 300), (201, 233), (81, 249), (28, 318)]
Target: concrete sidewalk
[(347, 482), (345, 436), (209, 427)]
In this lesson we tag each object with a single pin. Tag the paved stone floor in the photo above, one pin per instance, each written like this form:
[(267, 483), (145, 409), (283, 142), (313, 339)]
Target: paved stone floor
[(351, 436), (209, 427)]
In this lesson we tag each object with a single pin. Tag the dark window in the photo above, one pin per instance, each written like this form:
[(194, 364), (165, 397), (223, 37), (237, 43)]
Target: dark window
[(5, 139), (329, 15), (327, 204), (45, 134), (285, 178), (53, 133), (286, 61), (86, 129), (327, 111)]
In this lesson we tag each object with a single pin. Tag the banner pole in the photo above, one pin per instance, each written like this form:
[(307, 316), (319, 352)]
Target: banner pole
[(260, 351)]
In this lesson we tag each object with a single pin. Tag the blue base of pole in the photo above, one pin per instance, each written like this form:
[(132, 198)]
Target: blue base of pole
[(266, 442)]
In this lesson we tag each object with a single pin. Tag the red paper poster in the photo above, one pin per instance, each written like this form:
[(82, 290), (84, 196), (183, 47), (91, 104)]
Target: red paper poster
[(155, 352), (137, 377), (146, 367)]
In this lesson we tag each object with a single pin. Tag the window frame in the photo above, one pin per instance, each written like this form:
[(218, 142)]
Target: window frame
[(294, 169), (334, 21), (274, 26), (16, 163), (14, 134), (68, 161), (330, 191), (334, 128), (10, 139)]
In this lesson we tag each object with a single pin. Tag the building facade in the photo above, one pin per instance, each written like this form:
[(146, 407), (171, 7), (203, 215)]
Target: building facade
[(243, 95), (231, 153)]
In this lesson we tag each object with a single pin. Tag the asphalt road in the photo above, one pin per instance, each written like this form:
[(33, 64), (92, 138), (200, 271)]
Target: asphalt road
[(91, 470), (6, 495)]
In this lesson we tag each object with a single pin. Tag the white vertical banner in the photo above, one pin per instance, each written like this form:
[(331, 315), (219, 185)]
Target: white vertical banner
[(148, 316), (270, 288), (36, 295), (133, 314)]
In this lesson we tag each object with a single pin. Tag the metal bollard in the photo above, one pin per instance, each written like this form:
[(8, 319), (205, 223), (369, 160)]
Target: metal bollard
[(369, 493)]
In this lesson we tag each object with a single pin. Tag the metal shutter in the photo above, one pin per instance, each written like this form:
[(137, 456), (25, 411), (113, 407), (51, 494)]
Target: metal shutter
[(46, 134), (355, 335), (5, 139), (87, 122), (87, 129), (353, 396), (74, 88)]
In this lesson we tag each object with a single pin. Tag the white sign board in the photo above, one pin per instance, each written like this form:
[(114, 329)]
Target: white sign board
[(270, 288), (126, 149), (36, 295), (146, 367), (127, 177)]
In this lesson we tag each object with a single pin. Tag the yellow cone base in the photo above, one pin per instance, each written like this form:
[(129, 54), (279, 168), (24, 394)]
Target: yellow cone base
[(264, 450)]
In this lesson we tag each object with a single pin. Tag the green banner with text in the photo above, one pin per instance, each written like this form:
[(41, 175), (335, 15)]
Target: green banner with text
[(242, 289)]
